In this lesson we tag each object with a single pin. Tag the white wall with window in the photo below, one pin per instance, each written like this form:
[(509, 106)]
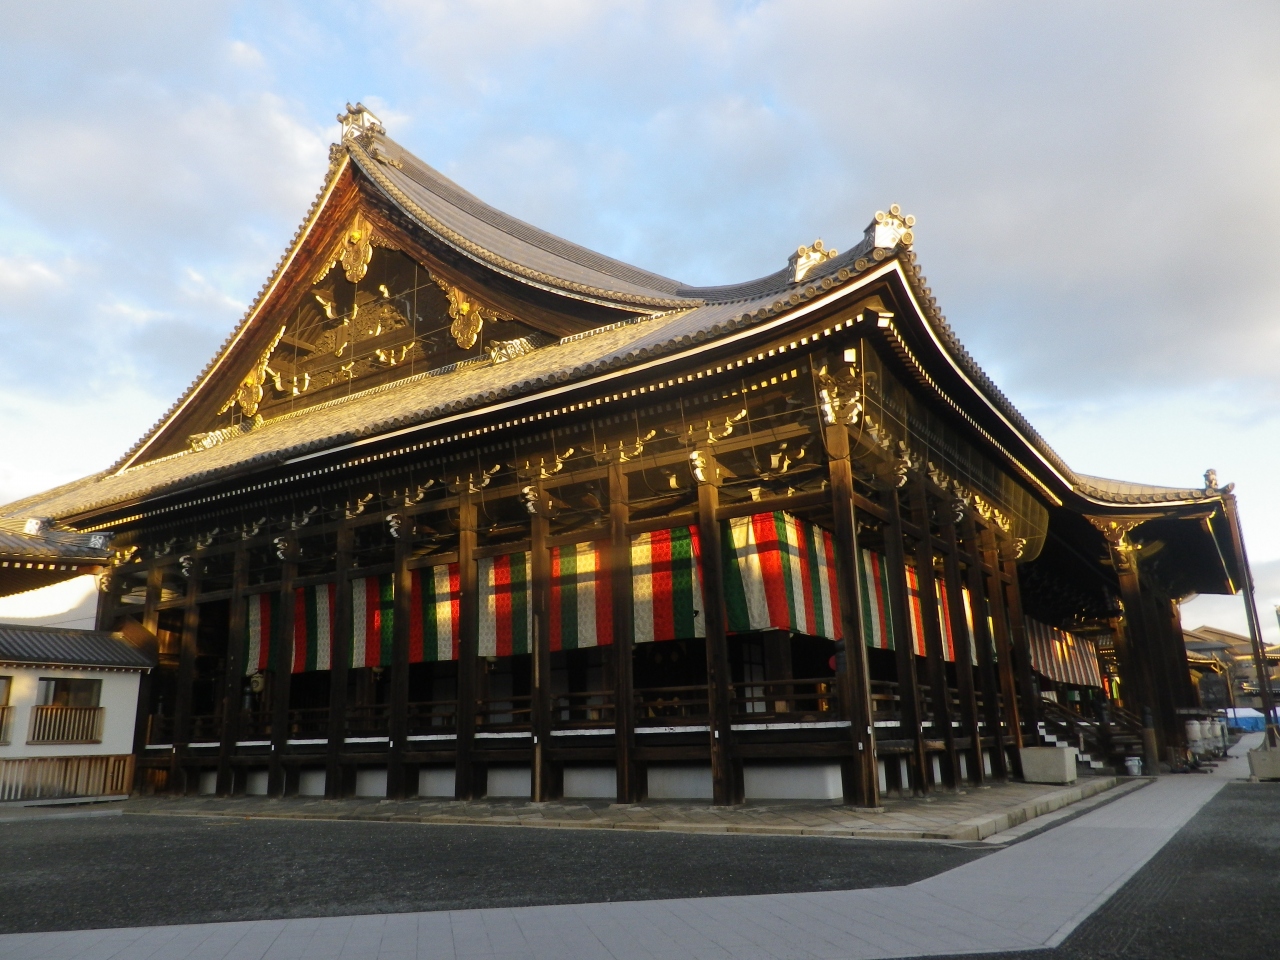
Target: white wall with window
[(65, 712)]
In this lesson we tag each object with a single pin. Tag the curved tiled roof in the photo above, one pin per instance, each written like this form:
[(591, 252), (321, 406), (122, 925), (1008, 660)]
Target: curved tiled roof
[(688, 315)]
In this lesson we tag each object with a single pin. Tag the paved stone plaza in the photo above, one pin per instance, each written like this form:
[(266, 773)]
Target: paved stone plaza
[(1029, 895)]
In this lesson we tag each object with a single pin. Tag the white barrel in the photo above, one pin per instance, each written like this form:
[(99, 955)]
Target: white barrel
[(1206, 734), (1193, 736)]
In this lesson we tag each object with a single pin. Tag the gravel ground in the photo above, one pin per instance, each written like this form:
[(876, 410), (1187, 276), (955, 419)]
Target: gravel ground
[(142, 870), (1210, 893)]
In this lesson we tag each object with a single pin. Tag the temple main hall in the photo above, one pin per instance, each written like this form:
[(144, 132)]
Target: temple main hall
[(462, 509)]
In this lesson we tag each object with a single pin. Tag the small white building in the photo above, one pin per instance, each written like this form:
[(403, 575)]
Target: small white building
[(68, 705)]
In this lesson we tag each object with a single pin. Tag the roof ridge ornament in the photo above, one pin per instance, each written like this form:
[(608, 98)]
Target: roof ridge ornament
[(1211, 484), (805, 259), (885, 232), (360, 124)]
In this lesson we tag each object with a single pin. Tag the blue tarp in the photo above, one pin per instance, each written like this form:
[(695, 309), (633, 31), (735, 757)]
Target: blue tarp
[(1247, 718)]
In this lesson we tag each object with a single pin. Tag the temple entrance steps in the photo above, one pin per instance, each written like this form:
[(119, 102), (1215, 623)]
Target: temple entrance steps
[(1101, 744)]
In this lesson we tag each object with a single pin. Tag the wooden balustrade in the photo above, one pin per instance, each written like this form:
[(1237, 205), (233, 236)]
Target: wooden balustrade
[(52, 724), (786, 700), (593, 708), (255, 725), (159, 729), (206, 728), (426, 717), (660, 706), (312, 724), (510, 712), (368, 720)]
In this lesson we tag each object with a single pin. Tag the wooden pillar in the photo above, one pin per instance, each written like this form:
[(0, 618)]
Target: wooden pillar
[(281, 680), (983, 639), (951, 582), (542, 783), (939, 690), (908, 682), (233, 680), (183, 685), (1004, 652), (861, 779), (398, 785), (150, 623), (468, 649), (1022, 657), (1260, 665), (1140, 684), (726, 770), (624, 707), (335, 780)]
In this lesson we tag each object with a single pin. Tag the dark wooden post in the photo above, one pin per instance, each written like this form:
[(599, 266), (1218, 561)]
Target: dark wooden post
[(624, 709), (1260, 665), (150, 623), (861, 779), (964, 646), (982, 637), (541, 781), (904, 648), (335, 781), (398, 786), (281, 680), (183, 684), (1018, 640), (468, 649), (726, 772), (939, 691), (1004, 652), (233, 681)]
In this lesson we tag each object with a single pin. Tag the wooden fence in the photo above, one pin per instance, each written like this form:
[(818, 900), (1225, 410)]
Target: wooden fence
[(51, 778)]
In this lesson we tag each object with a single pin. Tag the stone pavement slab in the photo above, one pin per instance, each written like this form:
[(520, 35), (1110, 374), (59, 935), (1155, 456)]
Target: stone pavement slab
[(970, 815)]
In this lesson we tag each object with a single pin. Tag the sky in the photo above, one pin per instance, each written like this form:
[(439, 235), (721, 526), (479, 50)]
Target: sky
[(1095, 186)]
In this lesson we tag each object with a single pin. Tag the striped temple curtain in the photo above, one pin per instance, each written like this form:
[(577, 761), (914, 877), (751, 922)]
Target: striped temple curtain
[(666, 589), (779, 573), (581, 597), (877, 626), (313, 627), (264, 647), (372, 621), (506, 608), (434, 611), (1062, 656)]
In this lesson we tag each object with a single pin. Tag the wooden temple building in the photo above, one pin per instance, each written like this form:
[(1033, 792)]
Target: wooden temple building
[(463, 509)]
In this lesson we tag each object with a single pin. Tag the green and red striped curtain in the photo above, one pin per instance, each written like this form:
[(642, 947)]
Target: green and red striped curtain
[(780, 573), (581, 598), (506, 610), (313, 627), (265, 646), (433, 614), (666, 589), (372, 621), (877, 626), (915, 612)]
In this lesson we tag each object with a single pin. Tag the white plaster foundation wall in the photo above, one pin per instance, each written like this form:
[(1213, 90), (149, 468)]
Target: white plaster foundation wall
[(792, 781), (371, 782), (436, 782), (588, 783), (255, 782), (208, 784), (509, 782), (685, 781), (119, 698), (311, 782)]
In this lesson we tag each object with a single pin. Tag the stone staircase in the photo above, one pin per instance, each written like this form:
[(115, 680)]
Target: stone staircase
[(1100, 747)]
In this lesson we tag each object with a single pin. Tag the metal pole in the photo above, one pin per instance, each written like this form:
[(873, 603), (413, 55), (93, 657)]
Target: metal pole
[(1255, 629)]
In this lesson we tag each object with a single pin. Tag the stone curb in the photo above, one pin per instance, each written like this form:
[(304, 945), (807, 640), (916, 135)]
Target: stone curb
[(974, 828)]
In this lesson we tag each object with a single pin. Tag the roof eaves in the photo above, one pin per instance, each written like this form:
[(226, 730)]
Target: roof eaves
[(337, 164)]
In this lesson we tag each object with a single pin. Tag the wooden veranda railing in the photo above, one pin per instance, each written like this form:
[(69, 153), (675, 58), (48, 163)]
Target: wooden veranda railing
[(786, 700), (48, 778), (51, 724)]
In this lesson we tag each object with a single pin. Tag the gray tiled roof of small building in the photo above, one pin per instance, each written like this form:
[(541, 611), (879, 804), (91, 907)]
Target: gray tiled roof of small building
[(20, 643), (54, 544)]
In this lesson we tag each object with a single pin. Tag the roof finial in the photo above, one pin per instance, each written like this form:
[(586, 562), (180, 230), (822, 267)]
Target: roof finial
[(359, 122), (888, 230), (1211, 483), (806, 258)]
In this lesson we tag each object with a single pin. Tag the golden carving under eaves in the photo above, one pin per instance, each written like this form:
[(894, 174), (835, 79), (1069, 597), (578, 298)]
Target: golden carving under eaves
[(1116, 529), (354, 250), (468, 316), (249, 394)]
